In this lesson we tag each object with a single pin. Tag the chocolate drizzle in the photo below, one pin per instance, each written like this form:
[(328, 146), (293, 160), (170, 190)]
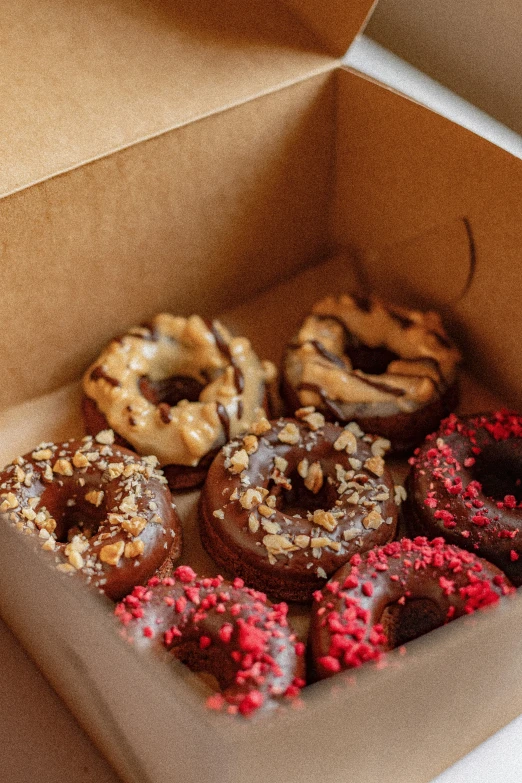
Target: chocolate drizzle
[(329, 404), (99, 373), (224, 418), (222, 345)]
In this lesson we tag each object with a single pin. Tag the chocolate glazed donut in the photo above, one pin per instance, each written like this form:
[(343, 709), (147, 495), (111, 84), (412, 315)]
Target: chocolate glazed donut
[(294, 500), (98, 510), (222, 628), (394, 594), (391, 370), (178, 388), (466, 485)]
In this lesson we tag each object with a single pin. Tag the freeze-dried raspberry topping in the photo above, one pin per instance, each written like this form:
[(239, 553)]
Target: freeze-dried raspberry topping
[(223, 628), (393, 594), (466, 484)]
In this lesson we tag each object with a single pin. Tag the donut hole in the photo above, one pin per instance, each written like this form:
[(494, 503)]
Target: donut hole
[(372, 361), (213, 665), (498, 468), (300, 500), (73, 514), (403, 623), (171, 390)]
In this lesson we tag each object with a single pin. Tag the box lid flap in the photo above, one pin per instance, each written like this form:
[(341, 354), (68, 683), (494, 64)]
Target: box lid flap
[(335, 22), (81, 80)]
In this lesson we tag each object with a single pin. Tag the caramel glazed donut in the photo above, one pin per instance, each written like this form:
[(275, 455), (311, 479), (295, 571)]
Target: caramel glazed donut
[(391, 370), (293, 501), (177, 388), (97, 509), (466, 485), (223, 628), (392, 595)]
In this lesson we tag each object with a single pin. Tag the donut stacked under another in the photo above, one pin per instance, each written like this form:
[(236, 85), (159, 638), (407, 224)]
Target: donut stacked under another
[(289, 504), (466, 485), (222, 628), (178, 388), (392, 595), (97, 509), (391, 370)]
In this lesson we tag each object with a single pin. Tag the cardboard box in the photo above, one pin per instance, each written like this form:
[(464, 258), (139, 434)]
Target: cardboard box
[(159, 157)]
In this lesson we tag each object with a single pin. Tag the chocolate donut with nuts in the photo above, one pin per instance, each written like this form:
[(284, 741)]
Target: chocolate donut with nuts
[(98, 510), (178, 388), (392, 370), (292, 501)]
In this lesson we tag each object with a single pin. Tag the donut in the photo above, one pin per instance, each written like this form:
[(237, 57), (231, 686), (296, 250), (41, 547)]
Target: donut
[(466, 485), (391, 370), (290, 503), (393, 594), (98, 510), (178, 388), (222, 628)]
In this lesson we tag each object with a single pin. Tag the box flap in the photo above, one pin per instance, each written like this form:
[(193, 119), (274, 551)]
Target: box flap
[(335, 22), (80, 80)]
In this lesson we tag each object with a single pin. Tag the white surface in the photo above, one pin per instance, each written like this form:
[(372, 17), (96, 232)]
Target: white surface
[(54, 748)]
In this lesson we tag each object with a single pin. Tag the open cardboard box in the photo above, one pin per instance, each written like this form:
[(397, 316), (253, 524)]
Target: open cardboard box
[(159, 157)]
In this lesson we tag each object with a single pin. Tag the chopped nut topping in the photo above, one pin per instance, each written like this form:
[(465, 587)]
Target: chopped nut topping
[(95, 497), (302, 541), (266, 511), (354, 427), (375, 464), (134, 525), (11, 501), (315, 421), (289, 434), (115, 470), (218, 513), (251, 497), (48, 473), (111, 553), (253, 523), (314, 479), (75, 559), (321, 573), (80, 460), (355, 463), (128, 504), (49, 544), (302, 468), (335, 545), (29, 513), (320, 542), (353, 498), (380, 446), (43, 520), (277, 544), (400, 494), (261, 426), (280, 463), (346, 441), (239, 461), (270, 527), (271, 501), (302, 412), (251, 443), (63, 467), (42, 454), (348, 535), (134, 548), (325, 519), (105, 437), (373, 520)]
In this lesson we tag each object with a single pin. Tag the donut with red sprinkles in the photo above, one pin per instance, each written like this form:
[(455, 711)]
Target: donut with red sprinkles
[(219, 627), (393, 594), (466, 485)]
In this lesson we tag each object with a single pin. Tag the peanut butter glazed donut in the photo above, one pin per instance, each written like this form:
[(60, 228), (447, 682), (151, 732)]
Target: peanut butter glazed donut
[(466, 485), (178, 388), (394, 594), (289, 504), (391, 370), (222, 628), (97, 509)]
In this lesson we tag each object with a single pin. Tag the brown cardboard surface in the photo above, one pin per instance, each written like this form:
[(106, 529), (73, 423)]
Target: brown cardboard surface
[(80, 80), (406, 178), (193, 220), (336, 22)]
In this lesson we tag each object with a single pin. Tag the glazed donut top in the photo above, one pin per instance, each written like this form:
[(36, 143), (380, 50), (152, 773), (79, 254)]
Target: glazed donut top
[(363, 352), (99, 510), (215, 382), (466, 484), (430, 582), (223, 628)]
